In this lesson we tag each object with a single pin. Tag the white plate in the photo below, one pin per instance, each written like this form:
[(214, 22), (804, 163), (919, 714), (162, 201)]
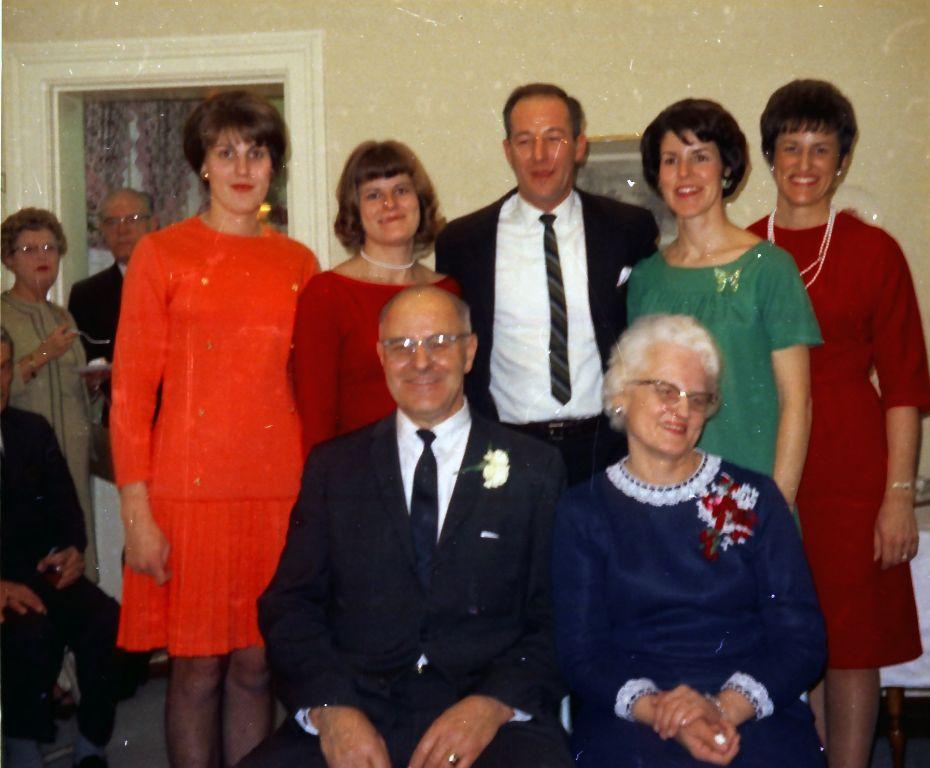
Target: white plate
[(95, 368)]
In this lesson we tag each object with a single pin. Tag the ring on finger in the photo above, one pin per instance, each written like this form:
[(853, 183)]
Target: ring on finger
[(453, 758)]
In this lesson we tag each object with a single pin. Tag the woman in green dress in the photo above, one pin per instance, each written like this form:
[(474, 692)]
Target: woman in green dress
[(744, 290), (47, 379)]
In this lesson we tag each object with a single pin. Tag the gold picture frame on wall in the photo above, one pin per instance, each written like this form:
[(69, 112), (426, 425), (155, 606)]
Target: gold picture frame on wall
[(614, 168)]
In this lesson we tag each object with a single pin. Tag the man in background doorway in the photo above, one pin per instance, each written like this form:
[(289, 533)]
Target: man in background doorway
[(125, 216)]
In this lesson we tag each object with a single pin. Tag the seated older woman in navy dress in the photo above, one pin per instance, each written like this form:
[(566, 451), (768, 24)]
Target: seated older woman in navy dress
[(686, 622)]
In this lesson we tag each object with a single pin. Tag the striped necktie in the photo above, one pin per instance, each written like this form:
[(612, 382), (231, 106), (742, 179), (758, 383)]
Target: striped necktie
[(559, 376)]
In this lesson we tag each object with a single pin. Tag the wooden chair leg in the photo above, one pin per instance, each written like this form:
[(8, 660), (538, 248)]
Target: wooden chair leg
[(896, 736)]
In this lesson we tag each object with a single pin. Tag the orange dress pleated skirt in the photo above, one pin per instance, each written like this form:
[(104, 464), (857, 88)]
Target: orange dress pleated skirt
[(223, 554), (205, 333)]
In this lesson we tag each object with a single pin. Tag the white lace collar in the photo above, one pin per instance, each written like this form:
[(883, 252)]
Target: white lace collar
[(664, 495)]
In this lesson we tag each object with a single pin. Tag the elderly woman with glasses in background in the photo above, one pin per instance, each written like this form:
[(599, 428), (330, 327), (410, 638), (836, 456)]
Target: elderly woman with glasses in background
[(47, 378)]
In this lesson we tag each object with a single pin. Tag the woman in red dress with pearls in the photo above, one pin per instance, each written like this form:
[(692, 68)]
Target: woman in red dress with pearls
[(856, 499), (388, 219)]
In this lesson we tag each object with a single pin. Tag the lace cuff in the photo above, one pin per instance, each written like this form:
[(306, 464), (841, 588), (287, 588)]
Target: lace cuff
[(753, 690), (631, 692)]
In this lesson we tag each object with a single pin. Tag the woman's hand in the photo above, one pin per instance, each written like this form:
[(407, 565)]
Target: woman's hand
[(147, 549), (895, 533), (58, 342), (53, 346), (714, 743), (677, 708)]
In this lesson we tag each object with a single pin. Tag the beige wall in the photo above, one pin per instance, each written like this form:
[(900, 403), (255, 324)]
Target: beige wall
[(435, 74)]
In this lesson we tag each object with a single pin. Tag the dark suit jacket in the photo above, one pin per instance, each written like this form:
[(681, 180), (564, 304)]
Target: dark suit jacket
[(40, 507), (617, 235), (345, 614), (95, 304)]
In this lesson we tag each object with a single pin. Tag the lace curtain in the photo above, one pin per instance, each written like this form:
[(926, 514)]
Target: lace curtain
[(138, 144)]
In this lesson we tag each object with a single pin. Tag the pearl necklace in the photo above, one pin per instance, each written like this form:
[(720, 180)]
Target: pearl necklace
[(385, 264), (821, 254)]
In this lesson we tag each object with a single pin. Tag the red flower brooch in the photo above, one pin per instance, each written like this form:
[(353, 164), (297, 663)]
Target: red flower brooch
[(728, 511)]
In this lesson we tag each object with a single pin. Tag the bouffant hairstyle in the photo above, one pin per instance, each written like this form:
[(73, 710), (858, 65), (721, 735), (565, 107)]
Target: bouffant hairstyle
[(30, 220), (530, 90), (808, 105), (382, 160), (633, 346), (709, 122), (247, 114)]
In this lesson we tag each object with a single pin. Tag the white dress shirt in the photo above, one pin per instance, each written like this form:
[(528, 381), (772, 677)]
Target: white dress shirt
[(448, 448), (520, 379)]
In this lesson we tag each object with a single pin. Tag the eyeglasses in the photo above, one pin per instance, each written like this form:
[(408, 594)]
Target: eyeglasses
[(133, 218), (32, 250), (525, 144), (670, 394), (404, 347)]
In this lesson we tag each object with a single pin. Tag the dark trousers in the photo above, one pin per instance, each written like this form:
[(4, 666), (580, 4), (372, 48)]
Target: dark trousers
[(411, 705), (584, 455), (31, 647)]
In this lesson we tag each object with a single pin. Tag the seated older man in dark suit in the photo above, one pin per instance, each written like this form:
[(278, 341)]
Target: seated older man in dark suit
[(45, 602), (409, 620)]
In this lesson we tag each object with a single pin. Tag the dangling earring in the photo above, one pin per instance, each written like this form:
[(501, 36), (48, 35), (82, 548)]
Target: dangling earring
[(618, 410), (839, 172), (727, 182)]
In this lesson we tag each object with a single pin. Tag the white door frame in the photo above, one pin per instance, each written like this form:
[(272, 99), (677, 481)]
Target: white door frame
[(35, 75)]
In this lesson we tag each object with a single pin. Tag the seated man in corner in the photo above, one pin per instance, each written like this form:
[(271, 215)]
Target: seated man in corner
[(409, 621), (45, 601)]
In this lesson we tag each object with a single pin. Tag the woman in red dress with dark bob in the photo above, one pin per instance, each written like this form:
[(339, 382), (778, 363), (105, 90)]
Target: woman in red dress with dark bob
[(856, 500), (207, 316), (388, 219)]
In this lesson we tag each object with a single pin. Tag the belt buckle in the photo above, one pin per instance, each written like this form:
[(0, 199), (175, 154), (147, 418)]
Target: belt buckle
[(556, 430)]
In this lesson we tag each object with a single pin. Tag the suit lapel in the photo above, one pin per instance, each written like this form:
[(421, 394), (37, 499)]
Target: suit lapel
[(469, 482), (599, 282), (386, 463)]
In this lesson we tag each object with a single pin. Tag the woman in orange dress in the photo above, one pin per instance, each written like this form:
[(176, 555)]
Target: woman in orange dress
[(206, 488), (388, 219)]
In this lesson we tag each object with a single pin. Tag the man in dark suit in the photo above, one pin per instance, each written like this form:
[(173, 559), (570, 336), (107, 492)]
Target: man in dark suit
[(409, 619), (125, 216), (544, 271), (45, 601)]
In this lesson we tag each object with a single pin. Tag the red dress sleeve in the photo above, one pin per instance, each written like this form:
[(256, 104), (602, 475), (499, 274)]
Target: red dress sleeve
[(139, 362), (316, 362), (898, 340)]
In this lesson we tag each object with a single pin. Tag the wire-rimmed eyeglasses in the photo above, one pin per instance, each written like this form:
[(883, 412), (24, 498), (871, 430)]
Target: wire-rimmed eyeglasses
[(670, 394), (404, 347)]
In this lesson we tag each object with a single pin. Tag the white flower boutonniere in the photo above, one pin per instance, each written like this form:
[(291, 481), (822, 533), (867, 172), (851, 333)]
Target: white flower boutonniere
[(494, 467)]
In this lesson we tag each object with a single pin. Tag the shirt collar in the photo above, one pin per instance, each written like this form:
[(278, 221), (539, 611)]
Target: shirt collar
[(460, 420), (529, 214)]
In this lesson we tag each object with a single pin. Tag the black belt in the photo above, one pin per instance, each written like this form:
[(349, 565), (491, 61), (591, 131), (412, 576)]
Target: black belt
[(560, 430)]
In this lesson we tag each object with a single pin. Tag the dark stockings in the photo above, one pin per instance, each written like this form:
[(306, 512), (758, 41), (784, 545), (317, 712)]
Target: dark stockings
[(213, 695)]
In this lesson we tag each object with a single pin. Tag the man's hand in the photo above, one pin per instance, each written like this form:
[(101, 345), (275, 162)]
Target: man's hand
[(348, 739), (62, 568), (18, 597), (464, 729), (147, 549)]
